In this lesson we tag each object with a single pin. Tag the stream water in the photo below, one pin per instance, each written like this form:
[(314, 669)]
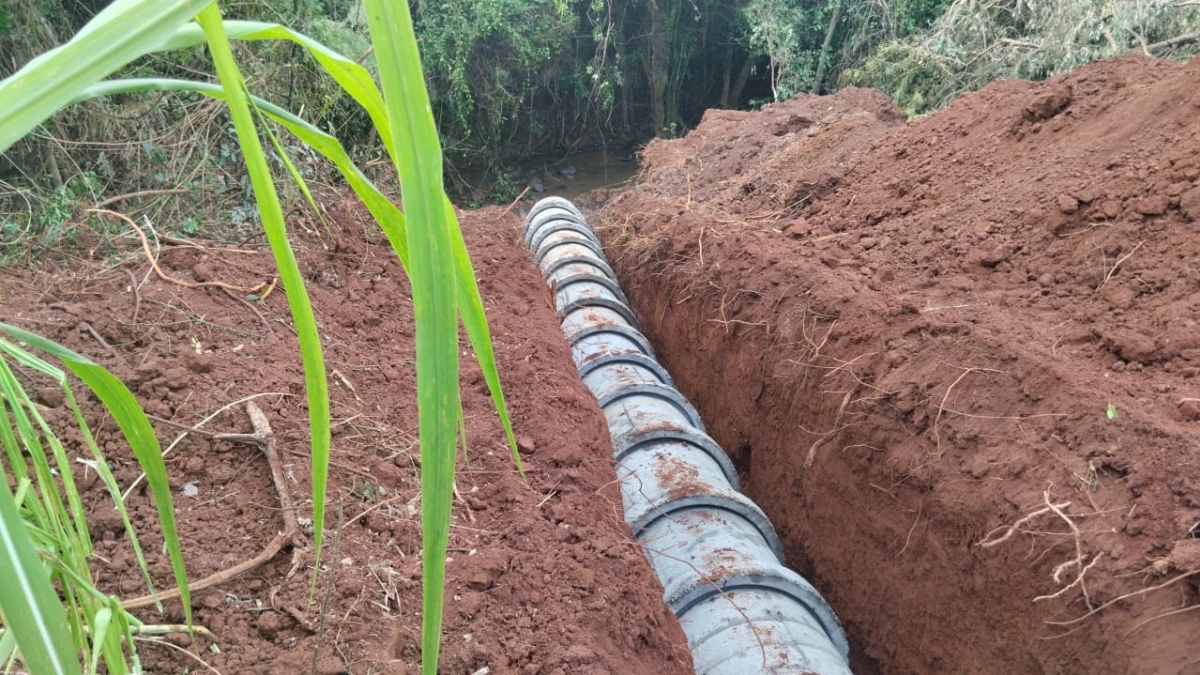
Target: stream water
[(577, 174), (569, 177)]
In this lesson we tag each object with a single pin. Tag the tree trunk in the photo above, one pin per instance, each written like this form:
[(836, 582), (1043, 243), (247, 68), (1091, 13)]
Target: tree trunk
[(726, 76), (657, 70), (824, 56), (739, 83)]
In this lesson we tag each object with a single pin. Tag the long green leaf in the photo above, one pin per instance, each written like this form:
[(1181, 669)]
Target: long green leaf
[(30, 604), (358, 83), (293, 282), (8, 645), (122, 32), (470, 307), (431, 267), (133, 423)]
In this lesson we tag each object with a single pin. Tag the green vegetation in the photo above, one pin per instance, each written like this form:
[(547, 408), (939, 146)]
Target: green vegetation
[(426, 239), (509, 79), (42, 520), (809, 45), (972, 43)]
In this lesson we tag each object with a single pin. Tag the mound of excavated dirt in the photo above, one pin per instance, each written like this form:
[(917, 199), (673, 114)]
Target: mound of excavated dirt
[(955, 358), (544, 577)]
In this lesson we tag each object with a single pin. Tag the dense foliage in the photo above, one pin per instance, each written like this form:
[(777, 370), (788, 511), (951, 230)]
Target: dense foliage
[(973, 42), (510, 79)]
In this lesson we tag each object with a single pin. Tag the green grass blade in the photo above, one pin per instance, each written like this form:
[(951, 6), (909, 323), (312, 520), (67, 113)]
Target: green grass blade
[(470, 307), (431, 268), (137, 430), (74, 508), (52, 514), (99, 628), (32, 609), (122, 32), (293, 282), (8, 645), (288, 163)]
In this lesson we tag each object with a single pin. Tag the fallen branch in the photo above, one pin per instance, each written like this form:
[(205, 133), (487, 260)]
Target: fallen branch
[(518, 199), (137, 195), (265, 439), (1176, 41)]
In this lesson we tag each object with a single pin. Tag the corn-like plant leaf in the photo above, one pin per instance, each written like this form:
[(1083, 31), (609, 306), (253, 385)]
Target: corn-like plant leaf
[(470, 307), (133, 423), (123, 31), (418, 156), (32, 610), (389, 218), (293, 282), (359, 84)]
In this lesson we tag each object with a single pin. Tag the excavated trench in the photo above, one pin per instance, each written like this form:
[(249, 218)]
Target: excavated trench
[(894, 553), (954, 360), (717, 556)]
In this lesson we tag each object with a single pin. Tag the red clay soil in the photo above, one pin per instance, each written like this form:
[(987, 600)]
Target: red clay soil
[(955, 358), (543, 574)]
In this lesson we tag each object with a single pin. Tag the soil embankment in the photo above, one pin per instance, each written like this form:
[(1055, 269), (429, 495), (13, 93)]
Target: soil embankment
[(955, 358), (543, 578)]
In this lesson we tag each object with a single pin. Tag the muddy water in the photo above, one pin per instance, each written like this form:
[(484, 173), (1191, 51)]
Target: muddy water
[(576, 174)]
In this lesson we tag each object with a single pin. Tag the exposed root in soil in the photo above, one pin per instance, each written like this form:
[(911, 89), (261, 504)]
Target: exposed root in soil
[(1175, 612), (1077, 561), (1100, 608), (263, 290), (191, 655), (837, 426), (137, 296), (937, 438)]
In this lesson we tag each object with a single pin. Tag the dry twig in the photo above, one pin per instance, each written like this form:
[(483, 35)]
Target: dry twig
[(265, 439), (137, 296), (265, 288), (1113, 270)]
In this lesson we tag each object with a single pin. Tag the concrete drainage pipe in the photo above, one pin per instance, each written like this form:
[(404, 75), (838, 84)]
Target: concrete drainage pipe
[(716, 554)]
